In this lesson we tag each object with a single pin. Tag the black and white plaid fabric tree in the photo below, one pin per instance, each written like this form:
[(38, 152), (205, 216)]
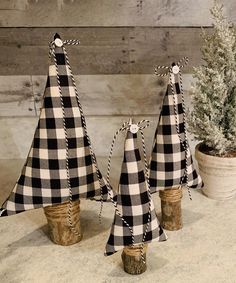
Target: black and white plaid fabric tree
[(61, 165), (135, 220), (171, 160)]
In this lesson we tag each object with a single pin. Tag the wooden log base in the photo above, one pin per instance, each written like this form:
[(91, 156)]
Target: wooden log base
[(59, 229), (171, 208), (132, 259)]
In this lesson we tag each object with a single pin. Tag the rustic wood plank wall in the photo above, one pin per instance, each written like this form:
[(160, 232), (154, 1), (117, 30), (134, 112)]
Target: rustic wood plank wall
[(121, 42), (61, 13)]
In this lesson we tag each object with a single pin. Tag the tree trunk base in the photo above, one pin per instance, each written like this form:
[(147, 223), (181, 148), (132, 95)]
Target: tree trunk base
[(171, 208), (59, 229), (132, 260)]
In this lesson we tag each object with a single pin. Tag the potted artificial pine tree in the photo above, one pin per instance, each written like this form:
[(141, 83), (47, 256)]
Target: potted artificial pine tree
[(213, 118)]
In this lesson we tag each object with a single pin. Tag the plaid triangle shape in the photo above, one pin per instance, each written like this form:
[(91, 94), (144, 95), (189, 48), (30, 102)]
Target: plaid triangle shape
[(133, 203), (168, 162), (60, 156)]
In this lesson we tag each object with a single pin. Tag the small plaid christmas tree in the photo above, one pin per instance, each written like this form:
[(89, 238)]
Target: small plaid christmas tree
[(135, 220)]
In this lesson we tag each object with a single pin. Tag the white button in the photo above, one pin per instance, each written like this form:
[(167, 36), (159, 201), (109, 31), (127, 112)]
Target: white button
[(175, 69), (58, 42), (134, 128)]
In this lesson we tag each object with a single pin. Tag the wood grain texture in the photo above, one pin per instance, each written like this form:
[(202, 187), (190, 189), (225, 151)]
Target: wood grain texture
[(102, 50), (160, 46), (99, 94), (60, 231), (127, 50), (132, 260), (16, 96), (76, 13), (171, 212)]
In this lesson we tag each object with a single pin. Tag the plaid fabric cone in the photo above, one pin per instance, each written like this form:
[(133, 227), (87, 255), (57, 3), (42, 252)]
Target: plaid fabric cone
[(171, 161), (134, 204), (59, 164)]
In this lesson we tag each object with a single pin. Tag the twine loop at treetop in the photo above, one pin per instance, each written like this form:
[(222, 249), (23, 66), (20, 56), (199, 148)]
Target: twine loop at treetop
[(53, 44), (181, 64)]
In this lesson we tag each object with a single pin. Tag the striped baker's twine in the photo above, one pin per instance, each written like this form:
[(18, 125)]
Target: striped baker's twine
[(65, 42), (72, 227), (52, 53), (184, 62), (157, 68), (2, 210), (143, 124), (123, 128), (186, 144), (181, 63), (149, 195), (71, 42), (86, 132)]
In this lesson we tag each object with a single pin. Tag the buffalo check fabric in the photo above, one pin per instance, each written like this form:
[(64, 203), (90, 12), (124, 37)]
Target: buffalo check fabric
[(168, 159), (134, 204), (44, 179)]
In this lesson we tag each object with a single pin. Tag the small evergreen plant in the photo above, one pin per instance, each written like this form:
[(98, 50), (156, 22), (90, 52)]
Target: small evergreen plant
[(213, 118)]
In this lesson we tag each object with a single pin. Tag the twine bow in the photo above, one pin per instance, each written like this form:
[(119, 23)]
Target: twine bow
[(181, 64), (52, 45)]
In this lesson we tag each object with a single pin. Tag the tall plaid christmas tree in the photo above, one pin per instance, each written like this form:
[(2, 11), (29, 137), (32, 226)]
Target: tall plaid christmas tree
[(61, 164), (171, 161)]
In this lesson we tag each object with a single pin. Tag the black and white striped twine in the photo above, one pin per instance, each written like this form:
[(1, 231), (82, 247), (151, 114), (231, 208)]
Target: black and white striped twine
[(52, 53)]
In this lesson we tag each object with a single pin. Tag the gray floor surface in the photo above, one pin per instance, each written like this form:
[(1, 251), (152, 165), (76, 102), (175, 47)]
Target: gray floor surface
[(203, 251)]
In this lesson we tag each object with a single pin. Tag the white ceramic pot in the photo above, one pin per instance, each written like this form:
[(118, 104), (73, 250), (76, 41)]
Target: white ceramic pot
[(218, 174)]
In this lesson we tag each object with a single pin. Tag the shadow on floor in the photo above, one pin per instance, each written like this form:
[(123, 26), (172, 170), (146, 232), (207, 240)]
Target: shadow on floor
[(153, 263), (90, 225), (189, 217), (40, 237)]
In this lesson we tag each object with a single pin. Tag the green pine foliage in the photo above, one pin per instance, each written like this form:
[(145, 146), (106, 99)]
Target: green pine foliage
[(213, 119)]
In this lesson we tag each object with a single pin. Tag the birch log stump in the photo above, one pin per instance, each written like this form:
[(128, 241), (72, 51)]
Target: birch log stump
[(59, 229), (132, 259), (171, 208)]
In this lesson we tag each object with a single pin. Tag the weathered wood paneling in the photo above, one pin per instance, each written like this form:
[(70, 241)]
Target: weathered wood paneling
[(100, 94), (16, 96), (154, 46), (37, 13), (9, 173), (16, 136), (102, 50)]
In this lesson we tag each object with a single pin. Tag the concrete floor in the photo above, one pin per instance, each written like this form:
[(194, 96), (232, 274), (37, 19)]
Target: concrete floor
[(203, 251)]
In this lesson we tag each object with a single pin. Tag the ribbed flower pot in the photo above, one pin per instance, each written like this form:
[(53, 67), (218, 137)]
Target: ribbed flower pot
[(218, 174)]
